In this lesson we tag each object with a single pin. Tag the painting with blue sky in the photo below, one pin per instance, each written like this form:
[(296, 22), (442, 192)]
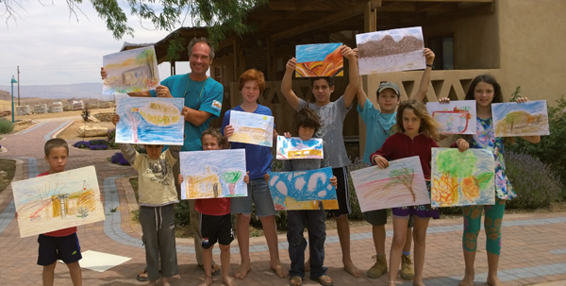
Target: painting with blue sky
[(316, 60), (213, 174), (303, 190), (391, 50), (251, 128), (130, 71), (150, 120), (512, 119), (57, 201), (296, 148)]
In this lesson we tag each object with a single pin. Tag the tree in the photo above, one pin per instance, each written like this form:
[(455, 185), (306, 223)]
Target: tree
[(221, 17), (403, 176), (231, 178)]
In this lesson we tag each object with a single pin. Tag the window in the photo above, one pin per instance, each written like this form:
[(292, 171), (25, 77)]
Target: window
[(443, 48)]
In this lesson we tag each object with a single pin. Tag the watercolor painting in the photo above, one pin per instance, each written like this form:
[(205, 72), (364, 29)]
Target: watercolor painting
[(213, 174), (391, 50), (57, 201), (317, 60), (151, 120), (303, 190), (456, 117), (251, 128), (296, 148), (520, 119), (130, 71), (401, 184), (462, 178)]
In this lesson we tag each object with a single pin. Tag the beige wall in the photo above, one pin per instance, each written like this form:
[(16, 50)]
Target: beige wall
[(475, 40), (534, 48)]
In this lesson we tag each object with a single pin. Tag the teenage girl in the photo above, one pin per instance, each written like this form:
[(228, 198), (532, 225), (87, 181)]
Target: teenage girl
[(416, 136), (485, 90)]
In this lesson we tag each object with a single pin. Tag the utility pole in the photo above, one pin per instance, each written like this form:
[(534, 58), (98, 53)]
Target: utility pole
[(18, 85)]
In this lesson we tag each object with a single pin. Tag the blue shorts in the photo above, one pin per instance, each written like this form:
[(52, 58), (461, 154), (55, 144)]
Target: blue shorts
[(260, 195), (52, 248)]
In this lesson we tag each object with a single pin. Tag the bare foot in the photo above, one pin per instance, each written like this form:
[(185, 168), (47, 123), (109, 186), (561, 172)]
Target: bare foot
[(493, 280), (468, 280), (228, 280), (296, 280), (279, 269), (165, 281), (207, 281), (242, 271), (352, 269), (151, 283), (418, 283)]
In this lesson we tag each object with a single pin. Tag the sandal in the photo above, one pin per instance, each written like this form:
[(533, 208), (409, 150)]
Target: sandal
[(215, 273), (294, 280), (323, 280), (143, 276)]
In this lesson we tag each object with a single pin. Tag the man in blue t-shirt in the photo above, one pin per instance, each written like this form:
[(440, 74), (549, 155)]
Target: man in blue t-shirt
[(203, 102)]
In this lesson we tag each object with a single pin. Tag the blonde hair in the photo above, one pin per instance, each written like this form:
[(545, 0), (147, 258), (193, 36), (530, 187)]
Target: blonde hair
[(428, 125)]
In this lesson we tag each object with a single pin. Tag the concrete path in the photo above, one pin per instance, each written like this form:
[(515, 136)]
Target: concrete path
[(534, 245)]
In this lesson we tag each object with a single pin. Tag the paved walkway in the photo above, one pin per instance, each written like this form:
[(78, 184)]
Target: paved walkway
[(534, 245)]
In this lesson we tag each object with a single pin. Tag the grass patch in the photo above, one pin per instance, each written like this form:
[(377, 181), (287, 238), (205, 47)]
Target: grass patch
[(7, 170)]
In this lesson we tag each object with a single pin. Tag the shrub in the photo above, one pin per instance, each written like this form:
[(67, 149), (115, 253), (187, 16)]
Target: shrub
[(98, 147), (551, 149), (182, 213), (118, 158), (534, 182), (98, 142), (354, 203), (82, 144), (6, 126)]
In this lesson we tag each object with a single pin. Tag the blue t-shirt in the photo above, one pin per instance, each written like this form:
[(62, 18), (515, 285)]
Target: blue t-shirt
[(258, 158), (199, 95), (378, 126)]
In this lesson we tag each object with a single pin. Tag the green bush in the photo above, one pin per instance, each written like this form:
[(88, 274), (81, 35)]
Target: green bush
[(354, 203), (535, 184), (551, 148), (6, 126)]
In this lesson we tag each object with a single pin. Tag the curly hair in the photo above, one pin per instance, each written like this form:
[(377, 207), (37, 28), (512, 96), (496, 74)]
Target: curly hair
[(253, 74), (306, 117), (428, 125)]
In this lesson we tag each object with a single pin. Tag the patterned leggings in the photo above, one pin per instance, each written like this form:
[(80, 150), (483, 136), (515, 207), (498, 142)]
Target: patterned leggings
[(492, 224)]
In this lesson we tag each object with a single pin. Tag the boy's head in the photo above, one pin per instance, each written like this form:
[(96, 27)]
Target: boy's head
[(322, 88), (154, 151), (252, 84), (56, 154), (388, 96), (212, 139), (307, 123)]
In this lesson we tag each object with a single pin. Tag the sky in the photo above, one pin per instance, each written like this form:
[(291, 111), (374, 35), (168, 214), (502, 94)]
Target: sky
[(52, 49)]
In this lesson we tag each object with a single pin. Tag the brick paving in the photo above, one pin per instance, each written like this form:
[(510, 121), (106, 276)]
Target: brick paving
[(534, 245)]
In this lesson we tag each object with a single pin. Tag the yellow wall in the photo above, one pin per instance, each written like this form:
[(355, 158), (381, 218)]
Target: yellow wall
[(533, 45)]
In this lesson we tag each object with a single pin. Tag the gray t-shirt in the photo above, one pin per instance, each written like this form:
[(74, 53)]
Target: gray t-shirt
[(332, 116)]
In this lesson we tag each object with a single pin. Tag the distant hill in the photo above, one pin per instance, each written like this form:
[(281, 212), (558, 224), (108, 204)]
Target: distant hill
[(81, 90)]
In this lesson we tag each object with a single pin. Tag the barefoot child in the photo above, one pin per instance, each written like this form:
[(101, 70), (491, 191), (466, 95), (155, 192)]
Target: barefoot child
[(258, 163), (215, 221), (485, 90), (332, 116), (417, 131), (307, 122), (157, 199), (378, 128)]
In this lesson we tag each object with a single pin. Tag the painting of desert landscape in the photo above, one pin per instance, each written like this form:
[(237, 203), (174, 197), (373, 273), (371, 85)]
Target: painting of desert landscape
[(318, 60), (251, 128), (391, 50), (520, 119), (57, 201), (130, 71), (213, 174), (401, 184)]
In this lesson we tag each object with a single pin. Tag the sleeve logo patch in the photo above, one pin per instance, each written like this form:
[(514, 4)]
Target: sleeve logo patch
[(217, 105)]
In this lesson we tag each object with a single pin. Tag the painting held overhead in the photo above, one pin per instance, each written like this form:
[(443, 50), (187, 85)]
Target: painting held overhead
[(303, 190), (455, 117), (213, 174), (153, 120), (296, 148), (462, 178), (391, 50), (319, 60), (251, 128), (512, 119), (130, 71), (401, 184), (57, 201)]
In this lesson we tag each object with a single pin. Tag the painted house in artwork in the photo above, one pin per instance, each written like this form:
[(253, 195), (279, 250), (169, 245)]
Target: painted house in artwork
[(205, 185), (248, 134), (136, 75), (75, 204)]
